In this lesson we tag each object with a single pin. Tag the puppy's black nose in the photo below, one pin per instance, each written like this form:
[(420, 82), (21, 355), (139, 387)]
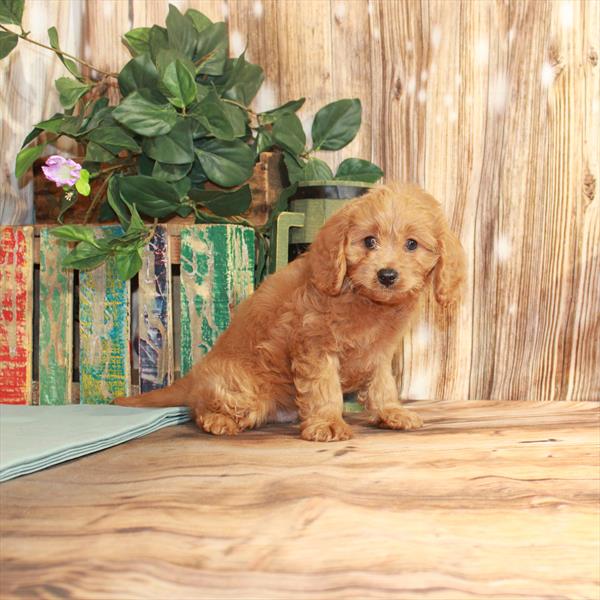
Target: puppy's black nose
[(387, 276)]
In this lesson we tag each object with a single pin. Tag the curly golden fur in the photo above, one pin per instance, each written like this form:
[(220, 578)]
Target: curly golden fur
[(328, 323)]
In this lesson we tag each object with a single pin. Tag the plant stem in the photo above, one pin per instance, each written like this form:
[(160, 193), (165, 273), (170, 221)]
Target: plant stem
[(94, 202), (79, 60), (239, 105), (116, 167)]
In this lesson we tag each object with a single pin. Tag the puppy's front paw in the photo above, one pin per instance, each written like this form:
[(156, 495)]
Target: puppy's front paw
[(325, 431), (398, 418), (217, 424)]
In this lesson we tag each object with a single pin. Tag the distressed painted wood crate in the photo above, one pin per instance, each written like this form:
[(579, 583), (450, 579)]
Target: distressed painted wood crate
[(66, 336)]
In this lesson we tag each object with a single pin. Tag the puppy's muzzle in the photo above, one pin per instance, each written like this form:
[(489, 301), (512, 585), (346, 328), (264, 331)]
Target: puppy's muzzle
[(387, 277)]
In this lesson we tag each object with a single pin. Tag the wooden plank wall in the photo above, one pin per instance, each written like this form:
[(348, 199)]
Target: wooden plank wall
[(493, 106)]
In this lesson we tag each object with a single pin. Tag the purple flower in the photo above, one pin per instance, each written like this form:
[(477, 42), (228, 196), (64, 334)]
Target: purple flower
[(63, 171)]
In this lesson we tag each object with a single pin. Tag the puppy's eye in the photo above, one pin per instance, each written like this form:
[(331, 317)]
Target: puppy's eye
[(370, 242), (411, 245)]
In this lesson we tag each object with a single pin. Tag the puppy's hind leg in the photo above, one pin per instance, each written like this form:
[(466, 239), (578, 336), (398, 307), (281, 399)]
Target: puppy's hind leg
[(227, 408)]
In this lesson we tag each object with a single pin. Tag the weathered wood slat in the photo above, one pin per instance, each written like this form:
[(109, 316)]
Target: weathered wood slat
[(155, 314), (351, 75), (307, 27), (104, 358), (217, 273), (56, 322), (16, 305)]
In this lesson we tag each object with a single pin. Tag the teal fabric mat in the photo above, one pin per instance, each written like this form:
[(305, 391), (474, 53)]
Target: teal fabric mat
[(36, 437)]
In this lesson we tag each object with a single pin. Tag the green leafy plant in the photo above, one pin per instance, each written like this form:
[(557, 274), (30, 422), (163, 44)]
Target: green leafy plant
[(334, 127), (182, 139)]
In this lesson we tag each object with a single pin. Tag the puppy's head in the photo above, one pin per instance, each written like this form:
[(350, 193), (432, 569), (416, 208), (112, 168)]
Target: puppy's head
[(386, 246)]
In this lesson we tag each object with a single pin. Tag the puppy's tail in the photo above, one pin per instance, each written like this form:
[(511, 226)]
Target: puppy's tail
[(176, 394)]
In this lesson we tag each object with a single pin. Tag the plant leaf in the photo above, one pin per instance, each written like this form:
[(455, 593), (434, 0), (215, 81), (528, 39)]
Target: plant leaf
[(128, 262), (31, 136), (176, 147), (181, 32), (85, 256), (316, 170), (289, 134), (200, 20), (11, 12), (71, 65), (137, 40), (114, 139), (212, 49), (226, 163), (52, 124), (26, 158), (166, 56), (157, 40), (212, 114), (99, 113), (197, 174), (270, 116), (170, 173), (336, 124), (119, 207), (139, 73), (356, 169), (8, 42), (75, 233), (145, 117), (82, 185), (224, 204), (70, 91), (180, 83), (264, 141), (295, 167), (136, 225), (150, 196), (243, 81), (238, 119), (96, 153), (184, 210)]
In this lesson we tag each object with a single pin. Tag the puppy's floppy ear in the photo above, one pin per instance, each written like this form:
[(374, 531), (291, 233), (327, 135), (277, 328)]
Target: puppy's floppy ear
[(450, 271), (327, 254)]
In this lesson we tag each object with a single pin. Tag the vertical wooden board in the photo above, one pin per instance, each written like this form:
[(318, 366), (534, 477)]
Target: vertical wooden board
[(56, 322), (251, 25), (305, 58), (351, 69), (104, 358), (400, 63), (103, 26), (449, 67), (16, 299), (155, 314), (217, 272)]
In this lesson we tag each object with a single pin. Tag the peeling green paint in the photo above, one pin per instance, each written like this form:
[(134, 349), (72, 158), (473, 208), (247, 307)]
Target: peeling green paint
[(217, 273), (56, 322)]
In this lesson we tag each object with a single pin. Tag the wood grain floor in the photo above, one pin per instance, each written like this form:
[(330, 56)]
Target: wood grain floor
[(489, 500)]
